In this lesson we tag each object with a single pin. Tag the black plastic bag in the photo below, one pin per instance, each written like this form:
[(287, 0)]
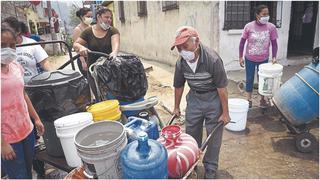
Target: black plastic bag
[(124, 77)]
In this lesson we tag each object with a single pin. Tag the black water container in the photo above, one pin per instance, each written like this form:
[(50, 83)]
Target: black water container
[(56, 94)]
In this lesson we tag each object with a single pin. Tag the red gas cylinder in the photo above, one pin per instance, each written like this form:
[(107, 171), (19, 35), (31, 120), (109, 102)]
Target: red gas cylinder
[(182, 150)]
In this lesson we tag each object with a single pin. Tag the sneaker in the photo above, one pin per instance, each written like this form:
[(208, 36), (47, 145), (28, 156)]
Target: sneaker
[(209, 174), (263, 103)]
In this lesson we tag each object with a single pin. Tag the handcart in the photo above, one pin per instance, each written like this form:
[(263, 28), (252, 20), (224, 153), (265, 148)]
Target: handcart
[(300, 107), (202, 148), (305, 142)]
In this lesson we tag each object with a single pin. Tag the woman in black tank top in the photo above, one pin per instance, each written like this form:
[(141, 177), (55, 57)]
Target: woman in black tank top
[(101, 37)]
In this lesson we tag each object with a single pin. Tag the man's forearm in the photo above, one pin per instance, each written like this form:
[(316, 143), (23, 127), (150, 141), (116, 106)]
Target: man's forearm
[(177, 96), (223, 95)]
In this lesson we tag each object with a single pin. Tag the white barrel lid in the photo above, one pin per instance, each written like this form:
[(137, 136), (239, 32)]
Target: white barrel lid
[(73, 119), (271, 68)]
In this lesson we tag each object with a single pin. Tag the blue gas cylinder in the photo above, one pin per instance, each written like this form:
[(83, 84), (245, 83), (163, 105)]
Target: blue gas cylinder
[(137, 125), (144, 159), (298, 98)]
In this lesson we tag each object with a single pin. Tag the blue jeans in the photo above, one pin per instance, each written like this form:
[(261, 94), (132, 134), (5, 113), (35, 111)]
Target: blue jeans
[(20, 167), (250, 70)]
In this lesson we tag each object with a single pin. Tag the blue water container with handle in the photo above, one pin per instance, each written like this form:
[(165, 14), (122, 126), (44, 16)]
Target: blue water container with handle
[(298, 98), (144, 159), (137, 125)]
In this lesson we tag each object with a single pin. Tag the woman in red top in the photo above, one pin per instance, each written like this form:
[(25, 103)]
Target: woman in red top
[(17, 137)]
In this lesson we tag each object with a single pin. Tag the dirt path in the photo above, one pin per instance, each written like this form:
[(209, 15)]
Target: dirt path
[(264, 150)]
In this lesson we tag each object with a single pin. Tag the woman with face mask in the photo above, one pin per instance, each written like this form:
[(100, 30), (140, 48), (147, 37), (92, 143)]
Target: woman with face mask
[(85, 15), (258, 34), (17, 137), (101, 37), (33, 59)]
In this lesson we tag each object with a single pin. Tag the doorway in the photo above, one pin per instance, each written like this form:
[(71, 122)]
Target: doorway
[(302, 27)]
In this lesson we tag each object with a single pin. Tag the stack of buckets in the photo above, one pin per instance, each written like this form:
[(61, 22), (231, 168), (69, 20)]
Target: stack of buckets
[(99, 145), (96, 146), (105, 110)]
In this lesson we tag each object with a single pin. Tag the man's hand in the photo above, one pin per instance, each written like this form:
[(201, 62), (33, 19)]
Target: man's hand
[(39, 127), (225, 118), (7, 153), (177, 112), (241, 62), (274, 60)]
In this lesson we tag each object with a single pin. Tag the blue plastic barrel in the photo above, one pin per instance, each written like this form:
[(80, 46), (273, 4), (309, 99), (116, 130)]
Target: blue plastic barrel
[(144, 159), (298, 98), (137, 125), (127, 113)]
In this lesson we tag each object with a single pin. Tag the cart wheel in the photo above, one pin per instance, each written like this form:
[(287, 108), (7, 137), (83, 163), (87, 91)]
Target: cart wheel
[(305, 142)]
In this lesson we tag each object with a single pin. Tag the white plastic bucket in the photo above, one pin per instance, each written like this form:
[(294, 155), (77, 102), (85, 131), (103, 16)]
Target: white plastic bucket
[(66, 129), (269, 78), (238, 110)]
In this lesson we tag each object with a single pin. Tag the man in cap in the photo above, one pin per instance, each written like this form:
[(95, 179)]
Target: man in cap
[(207, 100)]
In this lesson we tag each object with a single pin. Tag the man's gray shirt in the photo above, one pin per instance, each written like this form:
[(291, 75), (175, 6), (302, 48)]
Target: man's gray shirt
[(209, 75)]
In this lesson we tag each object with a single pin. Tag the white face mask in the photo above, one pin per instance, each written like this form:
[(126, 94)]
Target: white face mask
[(8, 55), (264, 19), (187, 55), (87, 20), (105, 26)]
